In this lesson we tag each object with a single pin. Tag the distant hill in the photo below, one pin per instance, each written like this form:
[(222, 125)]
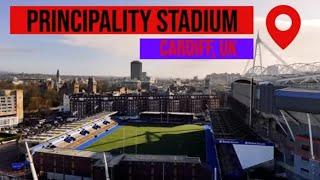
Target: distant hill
[(4, 72)]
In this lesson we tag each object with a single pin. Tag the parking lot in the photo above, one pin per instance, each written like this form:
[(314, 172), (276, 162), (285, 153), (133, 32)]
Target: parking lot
[(9, 153)]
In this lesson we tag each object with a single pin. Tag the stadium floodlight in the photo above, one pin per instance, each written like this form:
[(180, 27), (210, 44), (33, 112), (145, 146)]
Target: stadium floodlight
[(106, 166), (310, 136), (33, 170), (215, 173)]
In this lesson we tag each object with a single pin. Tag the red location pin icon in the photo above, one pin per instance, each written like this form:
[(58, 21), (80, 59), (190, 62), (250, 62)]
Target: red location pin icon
[(283, 38)]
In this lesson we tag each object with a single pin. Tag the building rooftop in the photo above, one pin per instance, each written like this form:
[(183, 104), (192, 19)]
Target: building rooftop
[(70, 152), (161, 158), (114, 160), (9, 92)]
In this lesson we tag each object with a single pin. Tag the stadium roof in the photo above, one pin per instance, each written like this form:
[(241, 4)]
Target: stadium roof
[(295, 92), (299, 100)]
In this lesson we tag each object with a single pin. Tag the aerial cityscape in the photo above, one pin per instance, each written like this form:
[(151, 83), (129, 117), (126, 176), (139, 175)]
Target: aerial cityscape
[(263, 124), (159, 90)]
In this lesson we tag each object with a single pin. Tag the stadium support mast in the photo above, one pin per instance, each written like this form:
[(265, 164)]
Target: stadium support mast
[(310, 136), (259, 41), (106, 166), (33, 169), (257, 44), (258, 53)]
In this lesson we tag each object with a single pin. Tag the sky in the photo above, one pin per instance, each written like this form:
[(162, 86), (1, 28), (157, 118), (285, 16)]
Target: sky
[(110, 55)]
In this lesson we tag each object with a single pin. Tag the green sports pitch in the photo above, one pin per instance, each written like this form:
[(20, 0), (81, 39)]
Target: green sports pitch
[(154, 139)]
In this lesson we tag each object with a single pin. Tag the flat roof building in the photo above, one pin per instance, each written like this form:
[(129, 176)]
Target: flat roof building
[(11, 108), (73, 164), (132, 105), (136, 70)]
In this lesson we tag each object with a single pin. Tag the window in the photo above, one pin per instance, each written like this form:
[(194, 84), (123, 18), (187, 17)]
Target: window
[(304, 170), (258, 94), (305, 147)]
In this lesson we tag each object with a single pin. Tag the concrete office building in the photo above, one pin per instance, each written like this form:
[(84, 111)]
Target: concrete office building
[(58, 80), (136, 70), (11, 108)]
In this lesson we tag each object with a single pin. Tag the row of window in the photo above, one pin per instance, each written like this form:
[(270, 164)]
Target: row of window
[(9, 121)]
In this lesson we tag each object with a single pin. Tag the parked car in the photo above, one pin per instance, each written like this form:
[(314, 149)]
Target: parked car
[(69, 139), (106, 122), (96, 127), (84, 132)]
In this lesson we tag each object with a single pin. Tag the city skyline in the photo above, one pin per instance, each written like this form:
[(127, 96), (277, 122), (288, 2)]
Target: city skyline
[(110, 55)]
